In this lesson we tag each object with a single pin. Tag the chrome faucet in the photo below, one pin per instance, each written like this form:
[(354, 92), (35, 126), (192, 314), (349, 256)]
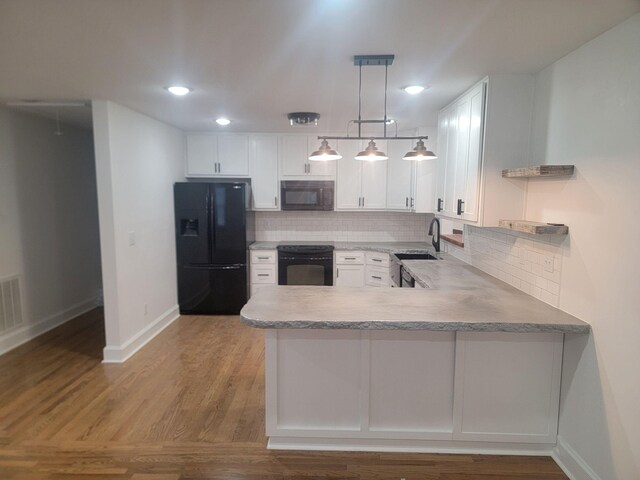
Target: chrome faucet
[(435, 239)]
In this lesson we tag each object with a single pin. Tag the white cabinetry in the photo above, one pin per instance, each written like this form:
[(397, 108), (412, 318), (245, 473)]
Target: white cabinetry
[(482, 132), (263, 156), (263, 266), (377, 270), (210, 155), (400, 176), (349, 268), (294, 158), (361, 185)]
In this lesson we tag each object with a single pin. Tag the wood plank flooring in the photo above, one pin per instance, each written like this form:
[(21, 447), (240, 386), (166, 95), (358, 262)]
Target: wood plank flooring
[(190, 405)]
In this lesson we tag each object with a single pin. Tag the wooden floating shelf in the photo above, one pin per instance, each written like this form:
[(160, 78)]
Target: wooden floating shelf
[(539, 171), (454, 238), (534, 228)]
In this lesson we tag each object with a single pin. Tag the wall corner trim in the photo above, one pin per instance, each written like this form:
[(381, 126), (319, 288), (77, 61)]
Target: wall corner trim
[(572, 464), (116, 354), (15, 338)]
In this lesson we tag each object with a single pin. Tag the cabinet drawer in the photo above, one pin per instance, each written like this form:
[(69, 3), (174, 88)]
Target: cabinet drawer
[(263, 274), (349, 258), (263, 256), (378, 259), (376, 277)]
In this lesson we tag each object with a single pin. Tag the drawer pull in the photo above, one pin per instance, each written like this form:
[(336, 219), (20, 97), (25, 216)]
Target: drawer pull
[(263, 258), (377, 278), (376, 259), (263, 274), (349, 258)]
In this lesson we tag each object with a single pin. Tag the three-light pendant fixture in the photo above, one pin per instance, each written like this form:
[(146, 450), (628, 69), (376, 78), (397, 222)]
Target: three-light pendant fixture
[(371, 152)]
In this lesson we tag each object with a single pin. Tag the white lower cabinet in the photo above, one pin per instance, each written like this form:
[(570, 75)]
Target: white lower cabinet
[(377, 270), (413, 390), (349, 268), (263, 269)]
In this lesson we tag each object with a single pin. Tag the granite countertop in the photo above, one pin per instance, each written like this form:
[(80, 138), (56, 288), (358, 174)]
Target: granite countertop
[(460, 297), (384, 247)]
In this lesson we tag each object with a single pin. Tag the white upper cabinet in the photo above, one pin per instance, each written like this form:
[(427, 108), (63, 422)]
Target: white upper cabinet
[(424, 186), (482, 132), (233, 155), (400, 176), (202, 155), (361, 185), (263, 156), (210, 155), (294, 158)]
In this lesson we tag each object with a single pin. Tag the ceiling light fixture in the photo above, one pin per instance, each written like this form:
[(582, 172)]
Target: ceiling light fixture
[(223, 121), (179, 90), (325, 153), (413, 89), (420, 153), (371, 153), (303, 119)]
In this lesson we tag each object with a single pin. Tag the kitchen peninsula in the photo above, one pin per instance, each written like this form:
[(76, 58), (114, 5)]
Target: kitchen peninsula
[(469, 364)]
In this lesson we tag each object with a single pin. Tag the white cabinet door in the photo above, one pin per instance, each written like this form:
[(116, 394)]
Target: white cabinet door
[(319, 169), (450, 166), (202, 155), (474, 158), (443, 135), (263, 153), (399, 176), (424, 186), (349, 275), (348, 176), (294, 156), (462, 154), (233, 155), (374, 182)]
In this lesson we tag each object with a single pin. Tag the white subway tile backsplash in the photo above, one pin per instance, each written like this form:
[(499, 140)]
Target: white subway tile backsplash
[(515, 258), (342, 226)]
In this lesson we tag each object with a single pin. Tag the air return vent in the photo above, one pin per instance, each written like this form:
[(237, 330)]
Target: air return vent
[(10, 304)]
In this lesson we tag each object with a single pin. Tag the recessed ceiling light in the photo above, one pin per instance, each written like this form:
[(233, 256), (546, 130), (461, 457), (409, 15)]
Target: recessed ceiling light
[(179, 90), (413, 89), (223, 121)]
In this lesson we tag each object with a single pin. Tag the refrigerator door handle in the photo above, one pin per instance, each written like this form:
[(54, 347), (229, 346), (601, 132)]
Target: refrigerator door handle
[(235, 266)]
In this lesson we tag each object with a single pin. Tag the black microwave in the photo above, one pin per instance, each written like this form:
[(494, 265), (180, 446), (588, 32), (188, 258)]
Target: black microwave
[(307, 195)]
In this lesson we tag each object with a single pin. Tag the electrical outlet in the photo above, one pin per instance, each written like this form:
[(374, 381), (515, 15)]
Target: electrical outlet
[(548, 263)]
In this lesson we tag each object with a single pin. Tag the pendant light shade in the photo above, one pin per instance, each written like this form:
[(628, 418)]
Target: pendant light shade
[(371, 153), (325, 153), (420, 153)]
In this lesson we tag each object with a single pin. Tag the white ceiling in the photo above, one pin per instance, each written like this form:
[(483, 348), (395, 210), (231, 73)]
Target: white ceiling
[(256, 60)]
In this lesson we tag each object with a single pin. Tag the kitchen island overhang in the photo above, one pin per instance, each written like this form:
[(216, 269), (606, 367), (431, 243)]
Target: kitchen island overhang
[(471, 370)]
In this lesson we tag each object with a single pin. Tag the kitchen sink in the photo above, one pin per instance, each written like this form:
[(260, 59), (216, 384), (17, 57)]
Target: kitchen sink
[(415, 256)]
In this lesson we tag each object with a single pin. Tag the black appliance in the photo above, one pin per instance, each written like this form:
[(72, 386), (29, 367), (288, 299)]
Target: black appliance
[(211, 244), (307, 195), (305, 265)]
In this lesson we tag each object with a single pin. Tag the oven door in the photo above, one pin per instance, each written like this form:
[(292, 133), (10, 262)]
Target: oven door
[(301, 270)]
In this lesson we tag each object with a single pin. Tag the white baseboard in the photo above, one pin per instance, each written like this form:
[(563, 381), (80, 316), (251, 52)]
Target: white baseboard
[(407, 446), (115, 354), (23, 334), (572, 464)]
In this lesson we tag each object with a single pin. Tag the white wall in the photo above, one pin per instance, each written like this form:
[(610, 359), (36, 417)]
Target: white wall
[(587, 113), (137, 161), (48, 221)]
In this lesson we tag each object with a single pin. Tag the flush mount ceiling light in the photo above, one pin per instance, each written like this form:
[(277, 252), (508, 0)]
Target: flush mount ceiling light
[(324, 153), (420, 153), (371, 153), (223, 121), (303, 119), (413, 89), (178, 90)]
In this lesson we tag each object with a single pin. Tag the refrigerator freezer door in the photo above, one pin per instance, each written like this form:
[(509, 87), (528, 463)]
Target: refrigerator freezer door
[(191, 202), (212, 290), (228, 220)]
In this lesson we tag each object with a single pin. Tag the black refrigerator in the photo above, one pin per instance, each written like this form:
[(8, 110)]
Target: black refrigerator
[(211, 244)]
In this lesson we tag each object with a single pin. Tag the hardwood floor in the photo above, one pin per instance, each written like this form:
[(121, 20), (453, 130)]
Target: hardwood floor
[(189, 405)]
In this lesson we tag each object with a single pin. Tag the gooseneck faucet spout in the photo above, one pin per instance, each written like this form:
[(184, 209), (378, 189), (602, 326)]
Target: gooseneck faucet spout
[(435, 238)]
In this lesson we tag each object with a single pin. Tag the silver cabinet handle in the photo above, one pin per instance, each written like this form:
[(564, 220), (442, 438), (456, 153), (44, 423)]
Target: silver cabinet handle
[(376, 259), (377, 278), (349, 258), (406, 202), (337, 272), (412, 202), (263, 258), (263, 274), (275, 201), (363, 201)]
